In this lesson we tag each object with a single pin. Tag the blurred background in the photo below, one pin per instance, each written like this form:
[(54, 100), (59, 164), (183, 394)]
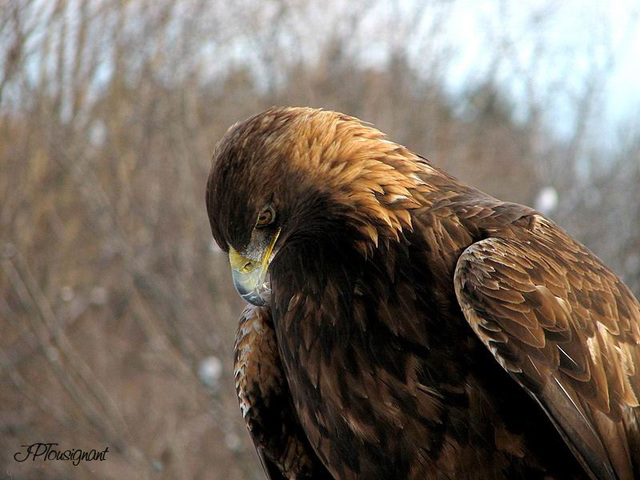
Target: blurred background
[(117, 313)]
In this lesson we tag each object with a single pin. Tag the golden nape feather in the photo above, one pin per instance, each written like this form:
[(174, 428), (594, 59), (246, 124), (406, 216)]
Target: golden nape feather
[(414, 327)]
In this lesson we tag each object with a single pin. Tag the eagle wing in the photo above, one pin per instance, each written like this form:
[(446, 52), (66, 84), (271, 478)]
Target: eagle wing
[(567, 330), (266, 404)]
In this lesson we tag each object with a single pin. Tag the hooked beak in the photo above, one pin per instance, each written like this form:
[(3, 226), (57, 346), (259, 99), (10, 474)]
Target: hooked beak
[(250, 276)]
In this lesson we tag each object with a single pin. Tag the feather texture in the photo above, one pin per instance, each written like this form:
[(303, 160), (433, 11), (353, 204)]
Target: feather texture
[(561, 335), (265, 402), (419, 328)]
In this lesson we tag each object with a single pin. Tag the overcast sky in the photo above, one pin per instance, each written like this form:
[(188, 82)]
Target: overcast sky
[(574, 38)]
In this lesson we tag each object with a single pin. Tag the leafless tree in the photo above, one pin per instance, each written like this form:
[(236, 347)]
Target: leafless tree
[(116, 309)]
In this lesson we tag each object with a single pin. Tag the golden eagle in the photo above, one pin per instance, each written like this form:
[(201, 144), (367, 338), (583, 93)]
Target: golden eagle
[(413, 326)]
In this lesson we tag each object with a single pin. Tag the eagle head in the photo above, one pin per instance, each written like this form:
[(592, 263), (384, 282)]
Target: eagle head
[(292, 178)]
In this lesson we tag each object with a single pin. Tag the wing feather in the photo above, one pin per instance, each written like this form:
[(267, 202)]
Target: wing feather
[(265, 401), (568, 330)]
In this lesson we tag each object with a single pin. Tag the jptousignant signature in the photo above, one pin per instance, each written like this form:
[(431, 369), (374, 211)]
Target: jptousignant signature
[(46, 451)]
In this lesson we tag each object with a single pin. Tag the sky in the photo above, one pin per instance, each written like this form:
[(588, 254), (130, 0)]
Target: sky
[(545, 43), (551, 51)]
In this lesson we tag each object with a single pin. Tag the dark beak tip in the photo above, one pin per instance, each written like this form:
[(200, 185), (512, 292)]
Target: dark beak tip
[(254, 299), (250, 296)]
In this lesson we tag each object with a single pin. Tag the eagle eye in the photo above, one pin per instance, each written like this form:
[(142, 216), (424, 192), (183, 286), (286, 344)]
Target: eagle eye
[(266, 217)]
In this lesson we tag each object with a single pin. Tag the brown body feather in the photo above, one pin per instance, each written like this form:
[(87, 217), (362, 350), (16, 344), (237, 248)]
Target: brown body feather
[(265, 402), (424, 330)]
